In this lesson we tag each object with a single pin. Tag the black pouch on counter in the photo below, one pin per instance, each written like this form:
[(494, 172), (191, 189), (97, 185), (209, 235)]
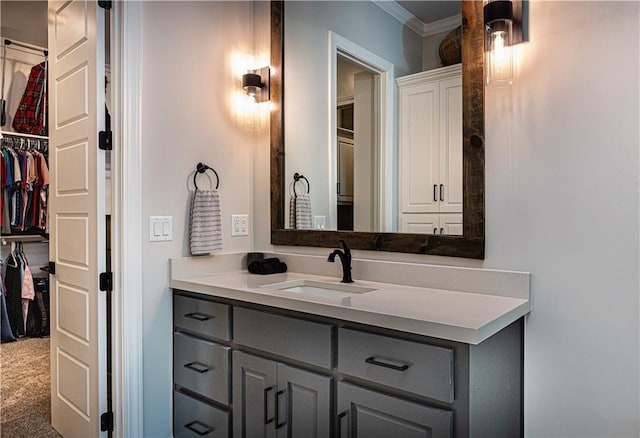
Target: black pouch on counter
[(267, 266)]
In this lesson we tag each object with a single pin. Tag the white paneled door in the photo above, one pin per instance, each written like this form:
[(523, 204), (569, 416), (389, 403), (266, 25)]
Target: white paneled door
[(77, 217)]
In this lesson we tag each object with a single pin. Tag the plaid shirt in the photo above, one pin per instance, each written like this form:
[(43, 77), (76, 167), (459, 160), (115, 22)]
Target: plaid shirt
[(30, 116)]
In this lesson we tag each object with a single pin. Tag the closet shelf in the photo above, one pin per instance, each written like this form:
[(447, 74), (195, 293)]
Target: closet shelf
[(24, 238)]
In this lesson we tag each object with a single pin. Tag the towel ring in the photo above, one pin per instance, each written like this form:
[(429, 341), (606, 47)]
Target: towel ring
[(202, 168), (297, 177)]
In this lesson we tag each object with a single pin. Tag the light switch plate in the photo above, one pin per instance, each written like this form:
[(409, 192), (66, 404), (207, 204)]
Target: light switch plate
[(239, 225), (160, 228)]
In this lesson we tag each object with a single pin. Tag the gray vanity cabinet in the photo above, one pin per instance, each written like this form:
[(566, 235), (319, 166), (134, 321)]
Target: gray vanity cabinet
[(363, 413), (252, 371), (272, 399)]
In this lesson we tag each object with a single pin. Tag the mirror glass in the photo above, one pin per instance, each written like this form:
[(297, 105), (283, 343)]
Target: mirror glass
[(364, 126), (361, 109)]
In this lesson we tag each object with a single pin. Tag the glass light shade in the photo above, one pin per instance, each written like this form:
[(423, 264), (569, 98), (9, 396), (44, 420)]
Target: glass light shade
[(499, 54)]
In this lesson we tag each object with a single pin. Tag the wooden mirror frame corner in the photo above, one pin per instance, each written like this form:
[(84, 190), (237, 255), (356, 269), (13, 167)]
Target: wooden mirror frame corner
[(471, 243)]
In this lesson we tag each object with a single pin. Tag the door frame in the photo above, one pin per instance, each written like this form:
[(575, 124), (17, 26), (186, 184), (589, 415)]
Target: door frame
[(385, 133), (127, 327)]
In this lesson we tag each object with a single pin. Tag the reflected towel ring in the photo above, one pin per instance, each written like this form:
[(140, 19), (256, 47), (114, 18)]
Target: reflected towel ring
[(297, 177), (202, 168)]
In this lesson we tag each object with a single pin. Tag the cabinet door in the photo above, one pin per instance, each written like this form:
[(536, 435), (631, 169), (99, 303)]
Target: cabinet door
[(345, 170), (451, 223), (450, 191), (363, 413), (254, 385), (422, 223), (418, 148), (302, 404)]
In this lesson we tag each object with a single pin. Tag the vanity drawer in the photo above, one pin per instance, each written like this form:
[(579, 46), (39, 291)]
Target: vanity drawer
[(201, 366), (195, 419), (422, 369), (294, 338), (200, 316)]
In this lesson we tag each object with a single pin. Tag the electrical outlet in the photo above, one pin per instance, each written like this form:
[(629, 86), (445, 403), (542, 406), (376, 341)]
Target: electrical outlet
[(239, 225), (160, 228)]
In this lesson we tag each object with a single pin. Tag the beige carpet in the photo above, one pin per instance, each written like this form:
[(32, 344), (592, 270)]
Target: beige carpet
[(25, 409)]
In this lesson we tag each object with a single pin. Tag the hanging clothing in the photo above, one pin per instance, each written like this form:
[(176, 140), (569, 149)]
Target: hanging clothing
[(30, 117), (6, 334), (24, 182), (13, 285)]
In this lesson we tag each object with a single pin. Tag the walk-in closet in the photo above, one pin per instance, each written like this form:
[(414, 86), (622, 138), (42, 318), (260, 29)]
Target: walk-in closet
[(27, 301)]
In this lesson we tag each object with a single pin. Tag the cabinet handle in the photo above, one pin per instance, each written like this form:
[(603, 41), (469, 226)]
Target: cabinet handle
[(442, 192), (199, 428), (435, 231), (435, 192), (198, 316), (340, 417), (373, 361), (338, 188), (279, 425), (198, 367), (267, 420), (441, 230)]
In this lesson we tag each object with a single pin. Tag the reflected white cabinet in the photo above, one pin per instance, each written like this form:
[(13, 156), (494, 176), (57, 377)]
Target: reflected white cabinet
[(430, 150)]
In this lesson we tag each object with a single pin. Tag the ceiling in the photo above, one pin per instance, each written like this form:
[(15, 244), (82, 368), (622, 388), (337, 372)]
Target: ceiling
[(430, 11), (24, 21)]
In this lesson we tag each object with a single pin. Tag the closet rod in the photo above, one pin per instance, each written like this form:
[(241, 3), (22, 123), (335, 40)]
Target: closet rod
[(8, 42), (20, 134)]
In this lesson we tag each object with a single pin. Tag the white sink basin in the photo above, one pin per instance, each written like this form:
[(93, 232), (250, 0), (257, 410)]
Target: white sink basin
[(322, 289)]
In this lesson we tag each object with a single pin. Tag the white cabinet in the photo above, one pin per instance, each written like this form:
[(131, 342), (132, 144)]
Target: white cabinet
[(430, 150)]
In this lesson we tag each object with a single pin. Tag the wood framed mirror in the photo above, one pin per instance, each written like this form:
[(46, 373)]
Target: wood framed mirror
[(471, 243)]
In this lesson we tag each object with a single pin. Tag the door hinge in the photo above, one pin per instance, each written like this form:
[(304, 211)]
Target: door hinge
[(106, 422), (106, 281), (105, 4), (52, 268), (104, 140)]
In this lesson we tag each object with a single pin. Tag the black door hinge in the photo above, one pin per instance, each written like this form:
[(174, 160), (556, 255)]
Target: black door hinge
[(105, 4), (52, 268), (106, 422), (104, 140), (106, 281)]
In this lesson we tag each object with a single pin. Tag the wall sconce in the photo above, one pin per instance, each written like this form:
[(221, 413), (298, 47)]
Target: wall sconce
[(506, 24), (256, 84)]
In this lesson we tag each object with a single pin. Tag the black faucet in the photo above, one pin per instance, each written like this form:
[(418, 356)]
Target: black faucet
[(345, 259)]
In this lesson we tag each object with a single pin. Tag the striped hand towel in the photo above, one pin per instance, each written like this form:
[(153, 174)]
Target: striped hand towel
[(205, 222), (292, 213), (303, 212)]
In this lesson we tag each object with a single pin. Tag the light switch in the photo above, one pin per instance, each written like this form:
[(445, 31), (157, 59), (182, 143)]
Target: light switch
[(160, 228), (239, 225)]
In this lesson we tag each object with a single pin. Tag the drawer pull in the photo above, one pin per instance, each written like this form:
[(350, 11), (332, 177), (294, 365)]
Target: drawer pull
[(198, 367), (199, 428), (284, 423), (340, 417), (372, 360), (198, 316), (267, 420)]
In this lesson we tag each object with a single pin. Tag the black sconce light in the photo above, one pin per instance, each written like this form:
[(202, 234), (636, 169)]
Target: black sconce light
[(256, 84), (505, 24)]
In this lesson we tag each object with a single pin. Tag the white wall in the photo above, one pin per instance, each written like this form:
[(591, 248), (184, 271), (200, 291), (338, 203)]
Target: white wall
[(187, 85), (562, 201)]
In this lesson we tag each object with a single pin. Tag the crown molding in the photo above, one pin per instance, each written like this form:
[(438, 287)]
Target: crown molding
[(414, 23), (443, 25)]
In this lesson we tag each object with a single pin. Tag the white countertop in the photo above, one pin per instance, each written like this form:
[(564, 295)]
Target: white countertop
[(469, 317)]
